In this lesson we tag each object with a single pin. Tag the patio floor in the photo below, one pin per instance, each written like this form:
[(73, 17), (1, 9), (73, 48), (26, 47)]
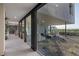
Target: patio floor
[(16, 47)]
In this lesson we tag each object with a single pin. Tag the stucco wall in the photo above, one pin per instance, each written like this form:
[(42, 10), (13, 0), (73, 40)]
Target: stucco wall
[(2, 29)]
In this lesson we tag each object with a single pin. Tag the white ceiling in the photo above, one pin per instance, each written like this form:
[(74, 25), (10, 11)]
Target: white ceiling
[(15, 11)]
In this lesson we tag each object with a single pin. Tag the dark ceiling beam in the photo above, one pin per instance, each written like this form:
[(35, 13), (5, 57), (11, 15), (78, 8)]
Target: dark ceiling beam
[(38, 6)]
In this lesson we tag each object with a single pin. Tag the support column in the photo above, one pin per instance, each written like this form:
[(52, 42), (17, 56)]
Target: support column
[(25, 33), (50, 28), (2, 29), (34, 30), (65, 29), (21, 29)]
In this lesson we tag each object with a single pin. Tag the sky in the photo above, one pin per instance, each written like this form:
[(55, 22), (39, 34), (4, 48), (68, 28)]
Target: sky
[(76, 25)]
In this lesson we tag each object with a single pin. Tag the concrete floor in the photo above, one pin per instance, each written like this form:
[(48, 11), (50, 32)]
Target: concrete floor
[(16, 47)]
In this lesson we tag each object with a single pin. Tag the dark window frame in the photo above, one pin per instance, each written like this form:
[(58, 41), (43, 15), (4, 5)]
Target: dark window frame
[(33, 14)]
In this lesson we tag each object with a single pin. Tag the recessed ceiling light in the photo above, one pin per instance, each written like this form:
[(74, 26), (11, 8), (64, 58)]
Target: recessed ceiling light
[(57, 5), (15, 17)]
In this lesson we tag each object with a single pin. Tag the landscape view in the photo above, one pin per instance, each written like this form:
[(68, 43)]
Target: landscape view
[(68, 45)]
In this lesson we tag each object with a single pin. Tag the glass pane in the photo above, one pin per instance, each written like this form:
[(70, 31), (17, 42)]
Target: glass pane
[(52, 40), (28, 29)]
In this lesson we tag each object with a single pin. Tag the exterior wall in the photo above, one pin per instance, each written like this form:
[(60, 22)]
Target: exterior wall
[(50, 20), (2, 29), (58, 12), (62, 11)]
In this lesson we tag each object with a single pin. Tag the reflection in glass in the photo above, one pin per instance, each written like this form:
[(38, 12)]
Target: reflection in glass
[(51, 39), (28, 29)]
